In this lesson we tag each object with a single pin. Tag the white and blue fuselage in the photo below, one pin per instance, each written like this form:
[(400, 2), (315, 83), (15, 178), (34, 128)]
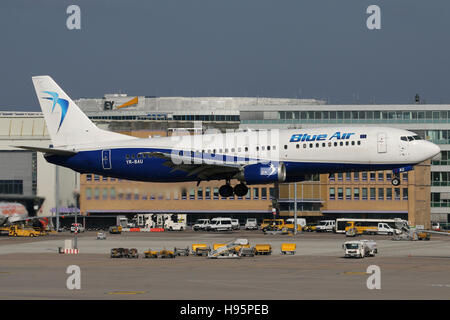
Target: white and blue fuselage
[(253, 157)]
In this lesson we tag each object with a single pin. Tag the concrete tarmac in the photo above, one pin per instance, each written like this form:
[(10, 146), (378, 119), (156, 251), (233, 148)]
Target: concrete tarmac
[(32, 269)]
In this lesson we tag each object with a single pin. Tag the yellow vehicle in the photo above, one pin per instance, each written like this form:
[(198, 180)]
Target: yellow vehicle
[(423, 236), (151, 254), (353, 229), (273, 224), (218, 245), (115, 229), (15, 231), (200, 249), (263, 249), (288, 248), (289, 224), (310, 227)]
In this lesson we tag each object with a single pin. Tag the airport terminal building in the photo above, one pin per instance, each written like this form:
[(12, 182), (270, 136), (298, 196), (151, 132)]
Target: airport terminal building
[(423, 193)]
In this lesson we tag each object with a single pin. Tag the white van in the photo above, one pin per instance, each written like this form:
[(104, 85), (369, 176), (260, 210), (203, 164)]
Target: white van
[(251, 224), (235, 224), (326, 226), (201, 224), (384, 228), (220, 224)]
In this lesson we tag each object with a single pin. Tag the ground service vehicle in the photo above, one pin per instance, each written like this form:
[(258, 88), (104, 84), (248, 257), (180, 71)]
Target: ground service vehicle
[(389, 225), (251, 224), (360, 248), (326, 226), (353, 229), (220, 224), (235, 224), (201, 224), (272, 224), (289, 224), (310, 227), (77, 227), (16, 231), (115, 229)]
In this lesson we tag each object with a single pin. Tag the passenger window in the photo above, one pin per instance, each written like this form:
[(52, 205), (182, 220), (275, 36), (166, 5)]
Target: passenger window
[(132, 156), (317, 145), (285, 146), (310, 145), (304, 145), (353, 143), (128, 156), (341, 143), (268, 148), (246, 149), (359, 143), (297, 146)]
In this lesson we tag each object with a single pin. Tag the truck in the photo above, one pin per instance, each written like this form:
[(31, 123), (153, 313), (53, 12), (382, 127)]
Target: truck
[(355, 228), (326, 226), (360, 248), (16, 231)]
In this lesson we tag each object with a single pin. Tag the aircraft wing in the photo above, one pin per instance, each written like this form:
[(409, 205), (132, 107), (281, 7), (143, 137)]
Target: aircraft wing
[(204, 168)]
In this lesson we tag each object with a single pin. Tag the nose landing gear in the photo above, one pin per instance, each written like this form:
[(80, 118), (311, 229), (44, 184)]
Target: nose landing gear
[(395, 180)]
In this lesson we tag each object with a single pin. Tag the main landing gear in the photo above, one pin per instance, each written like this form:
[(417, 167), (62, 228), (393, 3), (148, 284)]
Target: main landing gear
[(227, 190)]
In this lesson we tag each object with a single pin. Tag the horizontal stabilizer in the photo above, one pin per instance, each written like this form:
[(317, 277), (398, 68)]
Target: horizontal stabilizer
[(58, 152)]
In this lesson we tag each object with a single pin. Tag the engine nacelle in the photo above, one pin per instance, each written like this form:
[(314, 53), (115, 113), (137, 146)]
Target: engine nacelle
[(262, 173)]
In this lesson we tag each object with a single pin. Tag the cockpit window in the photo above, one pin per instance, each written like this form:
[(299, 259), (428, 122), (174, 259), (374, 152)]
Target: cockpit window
[(417, 138), (403, 138), (410, 138)]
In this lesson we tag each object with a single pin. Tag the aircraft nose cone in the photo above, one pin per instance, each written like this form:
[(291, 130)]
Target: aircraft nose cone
[(433, 149)]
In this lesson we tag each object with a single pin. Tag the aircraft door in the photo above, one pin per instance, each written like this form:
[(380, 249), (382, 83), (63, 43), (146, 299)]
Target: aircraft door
[(106, 159), (381, 142)]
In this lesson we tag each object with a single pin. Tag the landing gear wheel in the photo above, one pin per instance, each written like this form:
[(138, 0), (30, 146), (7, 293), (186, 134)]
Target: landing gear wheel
[(240, 190), (395, 181), (226, 191)]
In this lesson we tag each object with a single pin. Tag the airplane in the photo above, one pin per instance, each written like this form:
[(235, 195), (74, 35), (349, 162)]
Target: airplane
[(13, 212), (251, 157)]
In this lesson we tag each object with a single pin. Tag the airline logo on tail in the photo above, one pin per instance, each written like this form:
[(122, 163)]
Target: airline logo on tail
[(63, 103)]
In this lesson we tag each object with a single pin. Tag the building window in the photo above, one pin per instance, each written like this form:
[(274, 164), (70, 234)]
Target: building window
[(340, 193), (272, 193), (199, 193), (331, 177), (364, 176), (348, 193), (255, 193), (112, 193), (380, 176), (388, 193), (216, 193), (96, 177), (11, 186), (263, 193), (364, 193), (388, 176), (105, 194), (248, 195), (348, 176), (104, 178), (405, 176), (356, 176), (89, 177), (208, 193), (380, 193), (332, 194), (356, 194), (192, 194), (88, 193), (373, 194), (96, 193), (405, 193), (372, 176), (340, 175), (397, 193)]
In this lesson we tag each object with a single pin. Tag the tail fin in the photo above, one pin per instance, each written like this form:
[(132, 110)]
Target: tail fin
[(66, 123)]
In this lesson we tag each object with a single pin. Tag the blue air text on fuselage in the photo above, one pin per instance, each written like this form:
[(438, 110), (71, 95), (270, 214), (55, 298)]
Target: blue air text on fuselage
[(301, 137)]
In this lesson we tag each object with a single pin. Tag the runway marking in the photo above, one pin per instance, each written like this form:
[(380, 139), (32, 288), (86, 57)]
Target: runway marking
[(127, 292)]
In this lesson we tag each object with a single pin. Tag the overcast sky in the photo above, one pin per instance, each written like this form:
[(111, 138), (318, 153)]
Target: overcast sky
[(273, 48)]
